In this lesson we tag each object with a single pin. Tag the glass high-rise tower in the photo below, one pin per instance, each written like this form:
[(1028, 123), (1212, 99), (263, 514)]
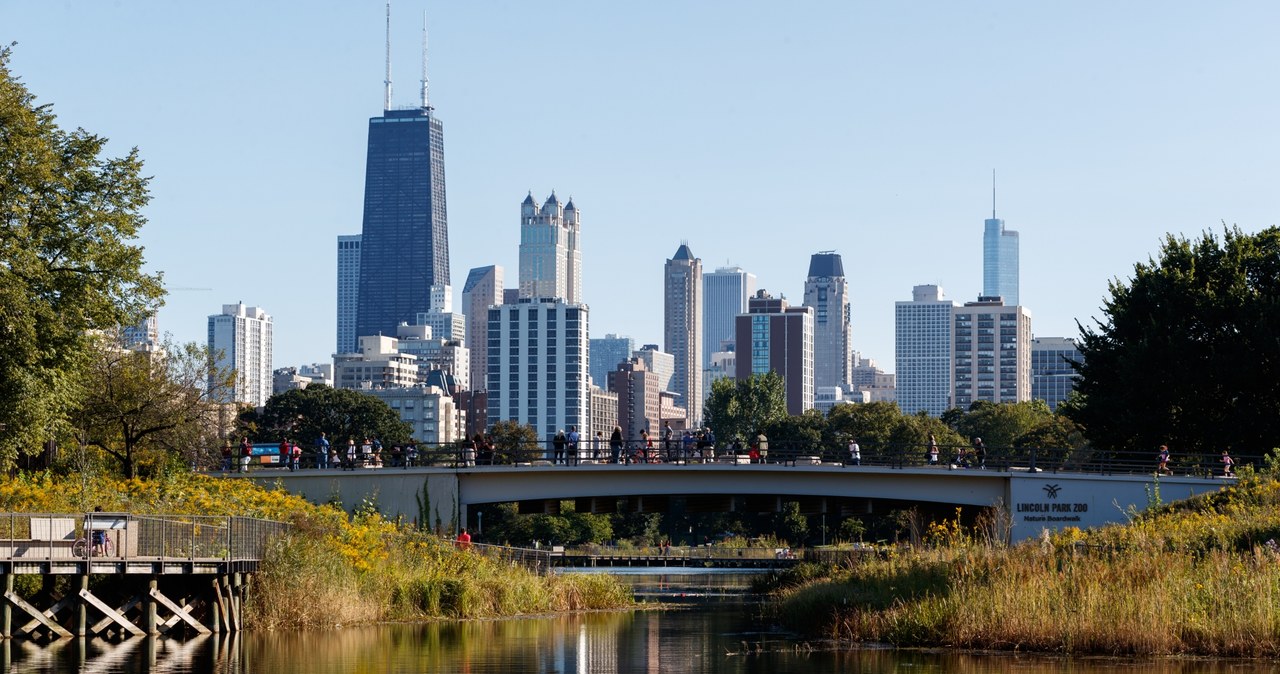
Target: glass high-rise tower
[(999, 257), (404, 245)]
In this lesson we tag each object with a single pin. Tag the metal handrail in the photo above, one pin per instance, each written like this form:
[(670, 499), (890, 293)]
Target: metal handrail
[(126, 536), (1033, 459)]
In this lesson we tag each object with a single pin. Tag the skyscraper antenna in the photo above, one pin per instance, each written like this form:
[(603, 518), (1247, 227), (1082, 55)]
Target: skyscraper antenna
[(993, 194), (386, 96), (426, 104)]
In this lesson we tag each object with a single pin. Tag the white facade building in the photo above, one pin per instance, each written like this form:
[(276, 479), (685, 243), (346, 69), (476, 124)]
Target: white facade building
[(877, 385), (378, 364), (240, 338), (538, 363), (724, 362), (922, 334), (430, 411), (348, 291), (724, 295), (992, 353), (550, 261), (444, 323), (446, 355)]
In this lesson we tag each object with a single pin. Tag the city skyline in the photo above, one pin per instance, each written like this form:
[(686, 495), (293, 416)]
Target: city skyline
[(876, 149)]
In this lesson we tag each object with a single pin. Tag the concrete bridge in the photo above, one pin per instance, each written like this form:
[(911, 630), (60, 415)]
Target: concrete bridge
[(1035, 500)]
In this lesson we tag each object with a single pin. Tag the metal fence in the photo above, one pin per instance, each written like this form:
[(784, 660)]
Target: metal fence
[(124, 536), (953, 457)]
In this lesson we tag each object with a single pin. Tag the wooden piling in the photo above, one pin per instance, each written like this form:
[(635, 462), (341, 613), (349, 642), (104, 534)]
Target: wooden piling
[(150, 603), (6, 614), (82, 610)]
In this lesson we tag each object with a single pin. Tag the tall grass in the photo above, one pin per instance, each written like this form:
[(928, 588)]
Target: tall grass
[(331, 569), (1193, 578)]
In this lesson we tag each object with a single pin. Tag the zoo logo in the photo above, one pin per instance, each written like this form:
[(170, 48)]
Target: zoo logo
[(1051, 490)]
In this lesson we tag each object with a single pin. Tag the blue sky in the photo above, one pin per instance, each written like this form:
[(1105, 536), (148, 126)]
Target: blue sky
[(758, 132)]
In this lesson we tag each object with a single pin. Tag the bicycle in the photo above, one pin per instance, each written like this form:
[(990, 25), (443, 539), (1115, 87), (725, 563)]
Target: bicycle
[(82, 546)]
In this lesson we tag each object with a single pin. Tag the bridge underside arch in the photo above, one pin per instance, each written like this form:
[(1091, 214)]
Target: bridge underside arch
[(729, 489)]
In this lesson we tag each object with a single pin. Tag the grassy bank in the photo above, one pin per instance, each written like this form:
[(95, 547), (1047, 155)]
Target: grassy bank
[(1197, 577), (332, 569)]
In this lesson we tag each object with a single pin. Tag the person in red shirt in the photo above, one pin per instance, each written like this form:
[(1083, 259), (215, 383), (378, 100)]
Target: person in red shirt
[(464, 540)]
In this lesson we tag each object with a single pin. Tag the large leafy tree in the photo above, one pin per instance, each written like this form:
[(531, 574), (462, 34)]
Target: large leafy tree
[(302, 414), (1187, 352), (68, 265), (161, 399), (743, 408)]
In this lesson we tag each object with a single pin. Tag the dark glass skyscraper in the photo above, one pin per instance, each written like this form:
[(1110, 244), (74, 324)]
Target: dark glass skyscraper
[(405, 239)]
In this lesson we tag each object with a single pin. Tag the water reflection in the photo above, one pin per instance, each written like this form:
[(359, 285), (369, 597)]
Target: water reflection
[(711, 627)]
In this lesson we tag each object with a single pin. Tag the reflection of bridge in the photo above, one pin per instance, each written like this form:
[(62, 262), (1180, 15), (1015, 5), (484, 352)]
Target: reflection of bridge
[(1035, 500)]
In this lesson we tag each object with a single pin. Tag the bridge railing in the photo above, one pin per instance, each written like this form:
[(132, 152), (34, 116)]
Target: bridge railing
[(590, 452), (125, 536)]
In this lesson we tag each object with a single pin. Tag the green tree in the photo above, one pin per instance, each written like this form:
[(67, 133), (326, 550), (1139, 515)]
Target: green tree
[(791, 525), (138, 400), (302, 414), (513, 441), (872, 424), (851, 529), (798, 434), (1186, 353), (742, 408), (68, 264), (1000, 425)]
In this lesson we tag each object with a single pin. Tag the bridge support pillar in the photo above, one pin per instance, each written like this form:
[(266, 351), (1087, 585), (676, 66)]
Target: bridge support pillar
[(6, 612)]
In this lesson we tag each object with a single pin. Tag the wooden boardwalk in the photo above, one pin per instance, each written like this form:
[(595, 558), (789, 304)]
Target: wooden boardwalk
[(117, 575)]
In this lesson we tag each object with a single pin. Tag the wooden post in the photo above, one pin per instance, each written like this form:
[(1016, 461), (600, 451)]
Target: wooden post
[(237, 587), (150, 603), (216, 608), (82, 610), (6, 614)]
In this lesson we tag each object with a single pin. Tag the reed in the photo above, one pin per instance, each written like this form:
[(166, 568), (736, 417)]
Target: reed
[(1194, 578)]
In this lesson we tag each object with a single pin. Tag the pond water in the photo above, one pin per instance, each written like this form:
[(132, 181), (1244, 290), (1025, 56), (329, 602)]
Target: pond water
[(708, 625)]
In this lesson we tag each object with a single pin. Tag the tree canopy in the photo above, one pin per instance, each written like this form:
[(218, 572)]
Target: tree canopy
[(302, 414), (742, 408), (1187, 352), (160, 399), (68, 264)]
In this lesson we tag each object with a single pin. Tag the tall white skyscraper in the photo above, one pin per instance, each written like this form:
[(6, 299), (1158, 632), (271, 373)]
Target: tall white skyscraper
[(538, 365), (682, 328), (827, 291), (240, 338), (999, 257), (725, 292), (923, 346), (348, 291), (992, 353), (550, 261), (482, 290)]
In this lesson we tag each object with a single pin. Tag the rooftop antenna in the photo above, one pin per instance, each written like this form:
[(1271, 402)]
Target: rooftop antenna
[(426, 105), (993, 194), (386, 96)]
